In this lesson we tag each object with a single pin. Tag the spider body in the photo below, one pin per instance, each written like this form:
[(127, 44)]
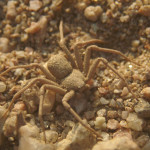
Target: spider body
[(67, 75)]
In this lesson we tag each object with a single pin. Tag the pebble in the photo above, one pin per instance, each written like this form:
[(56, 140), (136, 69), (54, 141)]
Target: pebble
[(10, 126), (100, 123), (112, 124), (122, 143), (124, 114), (144, 10), (28, 139), (125, 92), (51, 136), (4, 45), (134, 122), (146, 92), (104, 101), (123, 124), (142, 140), (35, 5), (112, 114), (37, 26), (92, 13), (11, 10), (78, 138), (49, 100), (89, 115), (2, 87), (101, 112), (146, 146)]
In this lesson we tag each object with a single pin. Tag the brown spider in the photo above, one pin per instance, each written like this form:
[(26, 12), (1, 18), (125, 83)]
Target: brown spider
[(66, 77)]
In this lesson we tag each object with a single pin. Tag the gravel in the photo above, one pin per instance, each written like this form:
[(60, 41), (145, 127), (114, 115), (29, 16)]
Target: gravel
[(29, 33)]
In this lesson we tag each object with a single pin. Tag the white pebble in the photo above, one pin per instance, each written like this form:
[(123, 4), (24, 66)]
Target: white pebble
[(92, 13), (134, 122), (104, 101), (2, 87), (100, 123)]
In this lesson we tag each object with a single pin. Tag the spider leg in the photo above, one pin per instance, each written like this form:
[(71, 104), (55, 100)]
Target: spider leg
[(44, 70), (93, 67), (31, 83), (79, 45), (63, 46), (42, 92), (87, 56), (65, 100)]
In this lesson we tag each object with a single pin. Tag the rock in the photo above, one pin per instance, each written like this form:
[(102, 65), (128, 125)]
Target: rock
[(29, 136), (134, 122), (142, 140), (118, 143), (11, 10), (112, 114), (51, 136), (49, 100), (100, 123), (104, 101), (10, 126), (35, 5), (146, 93), (2, 87), (144, 10), (146, 146), (125, 92), (112, 124), (4, 45), (92, 13), (78, 138), (142, 109), (89, 115)]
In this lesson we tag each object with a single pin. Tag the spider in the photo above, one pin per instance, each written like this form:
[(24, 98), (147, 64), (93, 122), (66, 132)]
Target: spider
[(67, 75)]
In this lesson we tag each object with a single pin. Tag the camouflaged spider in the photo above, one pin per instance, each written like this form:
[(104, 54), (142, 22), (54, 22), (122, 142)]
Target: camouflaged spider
[(66, 75)]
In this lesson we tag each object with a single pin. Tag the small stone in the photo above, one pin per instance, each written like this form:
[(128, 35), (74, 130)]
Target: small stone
[(51, 136), (146, 92), (146, 146), (10, 127), (134, 122), (35, 5), (92, 13), (11, 10), (113, 103), (112, 114), (142, 140), (2, 87), (124, 114), (78, 138), (101, 112), (144, 10), (100, 123), (112, 124), (122, 143), (89, 115), (104, 101), (125, 92), (123, 124), (4, 45), (135, 43)]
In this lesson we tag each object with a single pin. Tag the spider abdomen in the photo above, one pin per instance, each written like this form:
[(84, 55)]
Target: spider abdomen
[(74, 81)]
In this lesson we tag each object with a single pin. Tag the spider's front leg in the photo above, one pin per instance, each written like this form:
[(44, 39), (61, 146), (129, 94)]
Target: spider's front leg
[(65, 100), (42, 93)]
